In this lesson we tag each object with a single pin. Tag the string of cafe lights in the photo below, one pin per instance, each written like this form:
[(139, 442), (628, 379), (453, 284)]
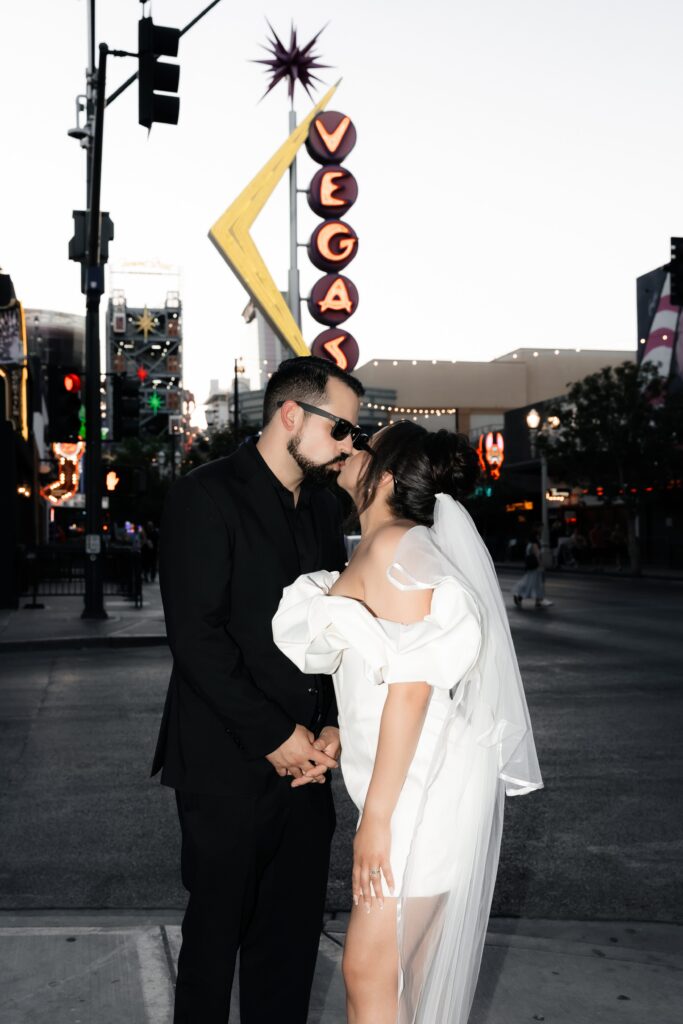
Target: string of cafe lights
[(435, 362), (432, 410)]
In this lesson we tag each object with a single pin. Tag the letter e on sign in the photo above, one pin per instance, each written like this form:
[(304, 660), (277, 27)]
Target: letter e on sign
[(332, 192)]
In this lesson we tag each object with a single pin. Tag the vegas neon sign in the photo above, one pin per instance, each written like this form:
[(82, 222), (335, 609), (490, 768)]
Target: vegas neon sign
[(334, 243)]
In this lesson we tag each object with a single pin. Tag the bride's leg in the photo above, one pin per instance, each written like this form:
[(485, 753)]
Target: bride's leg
[(370, 964)]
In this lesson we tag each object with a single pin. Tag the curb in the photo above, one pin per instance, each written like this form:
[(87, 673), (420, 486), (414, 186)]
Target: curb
[(74, 642)]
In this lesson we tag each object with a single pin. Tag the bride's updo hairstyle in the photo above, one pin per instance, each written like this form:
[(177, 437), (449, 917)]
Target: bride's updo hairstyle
[(423, 465)]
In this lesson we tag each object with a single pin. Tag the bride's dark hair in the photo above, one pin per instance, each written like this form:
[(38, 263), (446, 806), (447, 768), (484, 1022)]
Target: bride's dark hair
[(423, 464)]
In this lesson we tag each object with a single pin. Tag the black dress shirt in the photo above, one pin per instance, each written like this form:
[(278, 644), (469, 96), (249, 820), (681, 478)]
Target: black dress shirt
[(302, 525), (299, 516)]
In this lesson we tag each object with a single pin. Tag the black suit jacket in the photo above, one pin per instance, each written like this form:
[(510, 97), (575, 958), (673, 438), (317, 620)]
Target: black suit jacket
[(226, 552)]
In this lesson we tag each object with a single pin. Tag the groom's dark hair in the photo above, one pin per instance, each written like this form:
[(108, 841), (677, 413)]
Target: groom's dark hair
[(304, 379)]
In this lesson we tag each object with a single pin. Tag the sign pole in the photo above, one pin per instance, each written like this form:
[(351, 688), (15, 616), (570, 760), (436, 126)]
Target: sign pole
[(294, 288)]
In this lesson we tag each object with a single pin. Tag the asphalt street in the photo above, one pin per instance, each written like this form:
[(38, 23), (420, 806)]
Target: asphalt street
[(83, 826)]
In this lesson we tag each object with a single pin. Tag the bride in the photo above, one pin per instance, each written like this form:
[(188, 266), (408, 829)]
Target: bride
[(433, 719)]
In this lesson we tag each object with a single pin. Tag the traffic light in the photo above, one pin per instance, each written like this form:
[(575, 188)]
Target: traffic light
[(64, 404), (157, 77), (125, 407), (676, 271)]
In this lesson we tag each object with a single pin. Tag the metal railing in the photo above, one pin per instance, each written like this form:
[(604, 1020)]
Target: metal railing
[(58, 570)]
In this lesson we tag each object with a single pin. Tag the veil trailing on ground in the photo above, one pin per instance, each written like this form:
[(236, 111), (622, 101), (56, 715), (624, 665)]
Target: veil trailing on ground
[(486, 750)]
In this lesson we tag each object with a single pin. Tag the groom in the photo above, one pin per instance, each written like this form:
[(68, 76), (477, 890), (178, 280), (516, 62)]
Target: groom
[(240, 721)]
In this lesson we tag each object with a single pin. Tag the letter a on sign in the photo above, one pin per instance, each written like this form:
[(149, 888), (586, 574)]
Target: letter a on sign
[(337, 297), (333, 299)]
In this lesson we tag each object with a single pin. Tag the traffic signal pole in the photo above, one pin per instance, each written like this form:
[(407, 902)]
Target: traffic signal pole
[(91, 138), (94, 283)]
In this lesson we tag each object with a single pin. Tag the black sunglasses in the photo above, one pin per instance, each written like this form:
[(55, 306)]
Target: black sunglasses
[(342, 428)]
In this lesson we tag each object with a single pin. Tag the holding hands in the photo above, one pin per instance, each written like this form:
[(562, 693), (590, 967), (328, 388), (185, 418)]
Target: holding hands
[(304, 757)]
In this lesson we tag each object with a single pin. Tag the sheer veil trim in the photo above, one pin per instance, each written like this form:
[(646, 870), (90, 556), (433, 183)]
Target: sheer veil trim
[(453, 548), (486, 750)]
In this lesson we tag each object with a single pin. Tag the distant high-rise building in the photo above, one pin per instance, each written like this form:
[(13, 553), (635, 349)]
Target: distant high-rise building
[(271, 351)]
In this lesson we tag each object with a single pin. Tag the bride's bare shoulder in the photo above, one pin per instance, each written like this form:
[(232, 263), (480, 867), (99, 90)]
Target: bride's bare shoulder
[(383, 543), (385, 599)]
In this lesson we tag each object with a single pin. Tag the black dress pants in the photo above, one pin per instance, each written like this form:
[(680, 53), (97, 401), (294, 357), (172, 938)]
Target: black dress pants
[(255, 865)]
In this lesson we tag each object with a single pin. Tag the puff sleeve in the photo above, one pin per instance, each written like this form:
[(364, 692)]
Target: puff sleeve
[(442, 648), (302, 627), (313, 629)]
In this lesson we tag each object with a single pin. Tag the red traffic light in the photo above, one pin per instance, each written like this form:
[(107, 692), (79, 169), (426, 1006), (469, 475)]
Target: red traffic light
[(72, 382)]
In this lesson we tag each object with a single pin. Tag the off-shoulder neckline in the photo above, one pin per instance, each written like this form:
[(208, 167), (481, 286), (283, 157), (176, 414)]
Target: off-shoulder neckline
[(361, 604), (357, 600)]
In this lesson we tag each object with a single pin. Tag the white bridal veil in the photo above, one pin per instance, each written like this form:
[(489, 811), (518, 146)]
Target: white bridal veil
[(486, 747)]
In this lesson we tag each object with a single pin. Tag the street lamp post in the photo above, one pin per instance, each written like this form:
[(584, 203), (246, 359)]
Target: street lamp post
[(536, 426)]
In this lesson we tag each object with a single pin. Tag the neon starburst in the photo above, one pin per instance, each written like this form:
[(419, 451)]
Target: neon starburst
[(295, 63)]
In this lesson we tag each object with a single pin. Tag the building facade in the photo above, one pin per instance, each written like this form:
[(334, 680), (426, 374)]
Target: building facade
[(473, 397), (146, 344)]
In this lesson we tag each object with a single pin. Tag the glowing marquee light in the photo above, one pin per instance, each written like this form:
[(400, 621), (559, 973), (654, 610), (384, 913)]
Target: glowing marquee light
[(69, 457), (491, 452)]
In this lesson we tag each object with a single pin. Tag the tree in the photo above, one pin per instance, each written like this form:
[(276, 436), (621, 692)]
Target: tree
[(622, 431), (140, 494), (215, 445)]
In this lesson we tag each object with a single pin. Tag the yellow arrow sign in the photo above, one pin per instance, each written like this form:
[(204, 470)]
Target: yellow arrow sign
[(230, 235)]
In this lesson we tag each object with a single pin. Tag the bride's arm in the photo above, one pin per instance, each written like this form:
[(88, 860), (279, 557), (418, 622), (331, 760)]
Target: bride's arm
[(400, 727), (402, 720)]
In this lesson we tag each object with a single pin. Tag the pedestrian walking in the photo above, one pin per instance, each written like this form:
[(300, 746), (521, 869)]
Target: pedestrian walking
[(619, 544), (532, 583)]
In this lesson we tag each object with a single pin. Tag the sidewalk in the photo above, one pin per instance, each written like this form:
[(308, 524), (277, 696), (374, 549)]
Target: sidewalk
[(107, 967), (59, 624), (649, 572)]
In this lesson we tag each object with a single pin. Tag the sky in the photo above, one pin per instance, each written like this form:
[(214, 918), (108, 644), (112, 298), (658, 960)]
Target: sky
[(519, 165)]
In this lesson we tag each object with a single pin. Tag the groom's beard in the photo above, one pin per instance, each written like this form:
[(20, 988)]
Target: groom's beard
[(316, 474)]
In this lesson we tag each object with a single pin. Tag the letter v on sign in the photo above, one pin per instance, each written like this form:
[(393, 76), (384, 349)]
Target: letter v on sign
[(333, 139), (230, 235)]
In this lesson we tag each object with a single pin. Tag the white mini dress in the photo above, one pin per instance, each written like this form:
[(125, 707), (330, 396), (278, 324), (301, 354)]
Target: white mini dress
[(338, 635)]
